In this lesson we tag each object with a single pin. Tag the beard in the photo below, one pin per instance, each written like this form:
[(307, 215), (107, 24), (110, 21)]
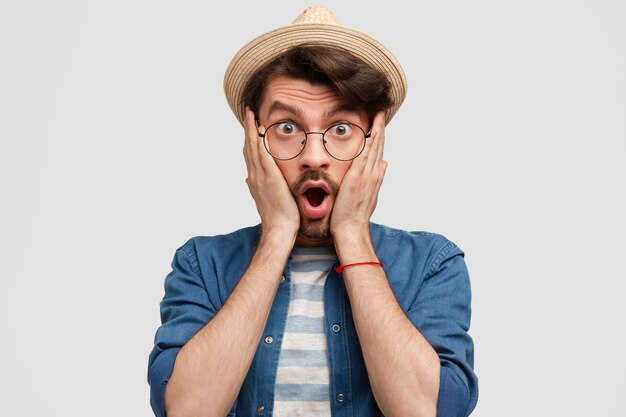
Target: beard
[(314, 229)]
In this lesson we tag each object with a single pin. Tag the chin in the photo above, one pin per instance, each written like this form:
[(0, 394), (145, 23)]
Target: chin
[(315, 229)]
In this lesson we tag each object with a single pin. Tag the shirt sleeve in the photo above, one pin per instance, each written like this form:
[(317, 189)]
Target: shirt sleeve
[(185, 309), (442, 313)]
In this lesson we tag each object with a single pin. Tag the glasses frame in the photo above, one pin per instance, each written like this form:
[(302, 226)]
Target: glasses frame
[(366, 136)]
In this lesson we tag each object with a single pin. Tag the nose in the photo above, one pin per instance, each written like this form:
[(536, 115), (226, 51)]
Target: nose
[(314, 155)]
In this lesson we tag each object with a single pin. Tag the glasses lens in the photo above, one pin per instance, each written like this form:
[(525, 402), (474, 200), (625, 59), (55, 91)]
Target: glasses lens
[(344, 141), (284, 140)]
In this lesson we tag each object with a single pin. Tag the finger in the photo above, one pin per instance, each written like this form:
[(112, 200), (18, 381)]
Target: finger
[(264, 161), (246, 145), (247, 133), (379, 121), (383, 171), (250, 128), (358, 164), (374, 139), (378, 183), (378, 142), (244, 151), (252, 139)]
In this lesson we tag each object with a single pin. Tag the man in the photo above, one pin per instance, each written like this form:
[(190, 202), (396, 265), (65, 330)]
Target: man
[(316, 311)]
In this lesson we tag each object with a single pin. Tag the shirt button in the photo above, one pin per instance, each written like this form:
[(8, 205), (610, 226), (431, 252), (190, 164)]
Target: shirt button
[(336, 328), (340, 397), (260, 409), (269, 340), (282, 279)]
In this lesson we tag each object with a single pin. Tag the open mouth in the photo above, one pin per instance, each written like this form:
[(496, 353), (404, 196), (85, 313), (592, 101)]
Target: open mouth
[(315, 199), (315, 196)]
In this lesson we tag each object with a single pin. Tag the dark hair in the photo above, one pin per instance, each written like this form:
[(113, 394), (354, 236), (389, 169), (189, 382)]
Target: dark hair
[(360, 85)]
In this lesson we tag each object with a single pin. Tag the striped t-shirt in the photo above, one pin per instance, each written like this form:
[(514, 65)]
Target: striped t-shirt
[(302, 380)]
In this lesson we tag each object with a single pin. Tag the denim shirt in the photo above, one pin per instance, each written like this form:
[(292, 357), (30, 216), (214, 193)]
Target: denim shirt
[(426, 272)]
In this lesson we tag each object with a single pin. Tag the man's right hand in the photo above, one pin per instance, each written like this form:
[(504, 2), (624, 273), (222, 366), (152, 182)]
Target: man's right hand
[(274, 201), (210, 368)]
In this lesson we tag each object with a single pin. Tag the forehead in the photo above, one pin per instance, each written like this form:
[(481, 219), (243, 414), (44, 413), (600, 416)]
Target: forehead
[(290, 95)]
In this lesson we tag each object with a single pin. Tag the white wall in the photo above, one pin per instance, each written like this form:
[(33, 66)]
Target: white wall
[(117, 145)]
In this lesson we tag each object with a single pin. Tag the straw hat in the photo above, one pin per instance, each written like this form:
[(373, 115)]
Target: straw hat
[(317, 26)]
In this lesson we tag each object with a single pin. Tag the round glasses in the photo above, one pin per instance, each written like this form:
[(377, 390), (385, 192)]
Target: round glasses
[(343, 141)]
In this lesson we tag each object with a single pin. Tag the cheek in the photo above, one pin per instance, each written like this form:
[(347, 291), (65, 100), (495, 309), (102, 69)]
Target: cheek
[(340, 172), (289, 171)]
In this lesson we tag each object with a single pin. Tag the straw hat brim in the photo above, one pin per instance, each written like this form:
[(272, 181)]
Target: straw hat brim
[(267, 47)]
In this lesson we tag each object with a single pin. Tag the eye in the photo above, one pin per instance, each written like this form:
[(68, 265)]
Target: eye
[(341, 129), (287, 128)]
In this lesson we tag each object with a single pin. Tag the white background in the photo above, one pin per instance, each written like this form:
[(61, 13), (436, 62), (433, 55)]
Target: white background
[(117, 145)]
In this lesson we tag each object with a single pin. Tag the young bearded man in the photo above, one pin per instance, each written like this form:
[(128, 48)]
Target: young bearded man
[(316, 311)]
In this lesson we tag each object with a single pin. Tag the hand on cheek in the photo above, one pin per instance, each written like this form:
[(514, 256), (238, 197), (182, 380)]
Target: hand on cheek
[(358, 193), (274, 201)]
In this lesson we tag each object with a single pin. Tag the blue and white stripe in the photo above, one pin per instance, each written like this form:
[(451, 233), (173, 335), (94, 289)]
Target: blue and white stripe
[(302, 380)]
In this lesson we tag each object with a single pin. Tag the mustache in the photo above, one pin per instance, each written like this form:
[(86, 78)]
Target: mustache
[(314, 176)]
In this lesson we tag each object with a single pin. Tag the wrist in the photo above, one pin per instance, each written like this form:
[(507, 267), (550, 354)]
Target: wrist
[(351, 234), (354, 246), (272, 251), (351, 231), (282, 227), (339, 269), (278, 237)]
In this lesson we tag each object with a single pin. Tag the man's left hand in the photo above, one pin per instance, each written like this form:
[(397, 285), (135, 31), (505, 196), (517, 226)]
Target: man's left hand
[(358, 194)]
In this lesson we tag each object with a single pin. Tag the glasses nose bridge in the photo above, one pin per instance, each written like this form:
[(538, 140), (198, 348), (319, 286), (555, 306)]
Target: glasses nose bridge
[(307, 146), (306, 138), (315, 133)]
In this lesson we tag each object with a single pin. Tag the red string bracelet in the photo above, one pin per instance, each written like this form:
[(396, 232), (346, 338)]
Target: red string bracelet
[(339, 269)]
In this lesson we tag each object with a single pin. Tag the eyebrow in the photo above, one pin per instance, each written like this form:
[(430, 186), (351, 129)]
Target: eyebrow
[(298, 112), (280, 106), (345, 107)]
